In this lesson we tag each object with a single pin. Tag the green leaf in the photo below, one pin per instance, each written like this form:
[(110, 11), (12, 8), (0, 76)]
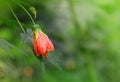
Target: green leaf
[(27, 38), (51, 59), (7, 47)]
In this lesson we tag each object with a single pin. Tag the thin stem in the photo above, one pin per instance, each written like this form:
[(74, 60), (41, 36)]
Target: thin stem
[(16, 18), (91, 68), (90, 65), (27, 13), (24, 3), (73, 14)]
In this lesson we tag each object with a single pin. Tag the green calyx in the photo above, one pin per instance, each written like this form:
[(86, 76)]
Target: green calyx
[(37, 29)]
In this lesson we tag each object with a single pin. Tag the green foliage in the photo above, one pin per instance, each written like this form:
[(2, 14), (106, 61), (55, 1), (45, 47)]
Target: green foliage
[(7, 46), (85, 34)]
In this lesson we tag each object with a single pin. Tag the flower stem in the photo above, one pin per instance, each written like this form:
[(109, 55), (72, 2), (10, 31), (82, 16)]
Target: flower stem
[(73, 15), (27, 13), (24, 3), (16, 18), (92, 73)]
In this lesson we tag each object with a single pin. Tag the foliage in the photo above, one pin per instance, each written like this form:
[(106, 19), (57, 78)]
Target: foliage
[(85, 34)]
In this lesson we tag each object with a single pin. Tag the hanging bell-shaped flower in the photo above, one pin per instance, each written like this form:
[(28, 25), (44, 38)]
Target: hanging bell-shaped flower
[(41, 43)]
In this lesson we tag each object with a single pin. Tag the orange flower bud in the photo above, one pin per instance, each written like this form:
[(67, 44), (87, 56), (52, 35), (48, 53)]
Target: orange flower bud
[(41, 43)]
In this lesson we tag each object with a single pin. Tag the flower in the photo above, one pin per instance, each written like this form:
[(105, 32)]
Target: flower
[(41, 43)]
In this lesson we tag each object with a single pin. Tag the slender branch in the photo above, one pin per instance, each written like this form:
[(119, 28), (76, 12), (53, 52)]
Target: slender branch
[(24, 3), (73, 14), (90, 65), (16, 18), (91, 68), (27, 13)]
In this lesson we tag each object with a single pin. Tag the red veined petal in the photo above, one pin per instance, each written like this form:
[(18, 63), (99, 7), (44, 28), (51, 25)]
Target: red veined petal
[(46, 54), (49, 44), (39, 44)]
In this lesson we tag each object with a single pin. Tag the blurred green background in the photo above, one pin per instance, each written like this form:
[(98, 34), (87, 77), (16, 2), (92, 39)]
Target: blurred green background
[(85, 33)]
